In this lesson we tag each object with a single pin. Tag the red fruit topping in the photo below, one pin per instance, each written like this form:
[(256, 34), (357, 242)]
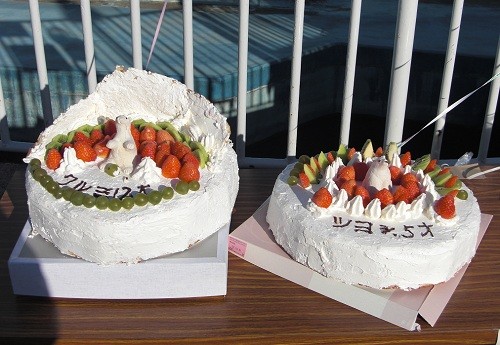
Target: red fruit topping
[(148, 149), (453, 193), (322, 198), (405, 158), (408, 177), (189, 157), (363, 192), (451, 182), (396, 174), (135, 134), (432, 164), (360, 170), (179, 149), (379, 152), (304, 180), (171, 167), (162, 151), (349, 186), (110, 127), (64, 147), (84, 151), (189, 172), (412, 188), (445, 207), (401, 194), (101, 149), (351, 153), (53, 159), (385, 197), (444, 171), (80, 136), (96, 135), (318, 166), (346, 173), (162, 136), (148, 133), (330, 157)]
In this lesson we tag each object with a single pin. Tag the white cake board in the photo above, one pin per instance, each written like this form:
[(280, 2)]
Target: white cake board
[(37, 268)]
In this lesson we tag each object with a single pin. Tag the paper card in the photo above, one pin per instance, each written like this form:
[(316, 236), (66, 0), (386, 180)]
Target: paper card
[(254, 242)]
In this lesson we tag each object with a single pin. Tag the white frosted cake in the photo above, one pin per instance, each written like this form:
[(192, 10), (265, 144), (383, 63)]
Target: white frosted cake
[(141, 168), (363, 219)]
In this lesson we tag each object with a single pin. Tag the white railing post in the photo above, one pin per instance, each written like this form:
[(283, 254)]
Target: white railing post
[(41, 64), (449, 64), (400, 75), (135, 21), (4, 125), (350, 71), (491, 106), (187, 15), (88, 41), (293, 119), (242, 78)]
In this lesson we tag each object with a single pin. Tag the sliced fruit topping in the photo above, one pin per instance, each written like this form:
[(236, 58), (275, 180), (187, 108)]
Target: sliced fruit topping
[(401, 194), (304, 180), (445, 207), (322, 198), (421, 163), (84, 151), (346, 173), (189, 172), (363, 192), (385, 197), (171, 167), (53, 159), (148, 133), (405, 158), (367, 150), (148, 149)]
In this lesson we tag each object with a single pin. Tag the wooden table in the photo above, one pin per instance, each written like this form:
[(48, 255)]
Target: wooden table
[(259, 307)]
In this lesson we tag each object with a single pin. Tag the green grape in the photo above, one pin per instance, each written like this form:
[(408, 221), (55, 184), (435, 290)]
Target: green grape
[(77, 198), (45, 180), (89, 200), (462, 194), (58, 193), (110, 169), (194, 185), (292, 180), (51, 187), (128, 202), (182, 187), (295, 172), (154, 197), (140, 199), (167, 193), (101, 202), (299, 166), (38, 173), (114, 204), (67, 192), (35, 162), (304, 159)]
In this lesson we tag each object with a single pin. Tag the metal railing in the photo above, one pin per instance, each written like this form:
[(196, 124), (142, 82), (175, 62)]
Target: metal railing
[(398, 90)]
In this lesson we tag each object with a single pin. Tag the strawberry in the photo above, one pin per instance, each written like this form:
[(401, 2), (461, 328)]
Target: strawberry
[(135, 134), (445, 207), (351, 153), (171, 167), (396, 174), (405, 158), (408, 177), (444, 171), (100, 147), (162, 136), (81, 136), (322, 198), (379, 152), (189, 157), (360, 170), (349, 186), (147, 133), (331, 157), (451, 182), (346, 173), (304, 180), (109, 127), (53, 159), (84, 151), (96, 135), (162, 151), (385, 197), (189, 172), (453, 193), (401, 194), (315, 161), (432, 164), (363, 192), (148, 149), (64, 147), (412, 188), (179, 149)]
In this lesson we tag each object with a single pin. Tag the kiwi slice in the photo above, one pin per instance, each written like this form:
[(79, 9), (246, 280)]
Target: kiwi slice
[(421, 163), (342, 153), (367, 150), (390, 150), (440, 180)]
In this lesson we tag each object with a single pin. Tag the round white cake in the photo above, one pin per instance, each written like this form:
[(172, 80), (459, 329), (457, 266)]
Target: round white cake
[(404, 245), (165, 219)]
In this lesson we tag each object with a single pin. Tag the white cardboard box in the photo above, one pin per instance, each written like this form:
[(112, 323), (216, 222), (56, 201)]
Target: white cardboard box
[(254, 242), (37, 268)]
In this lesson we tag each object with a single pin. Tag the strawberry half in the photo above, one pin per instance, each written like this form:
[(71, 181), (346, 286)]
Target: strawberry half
[(53, 159), (322, 198), (445, 207)]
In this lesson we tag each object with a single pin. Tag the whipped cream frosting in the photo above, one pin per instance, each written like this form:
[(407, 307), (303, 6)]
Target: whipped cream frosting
[(130, 236), (403, 246)]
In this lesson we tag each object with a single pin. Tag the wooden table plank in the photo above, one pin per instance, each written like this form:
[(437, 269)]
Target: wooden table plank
[(259, 307)]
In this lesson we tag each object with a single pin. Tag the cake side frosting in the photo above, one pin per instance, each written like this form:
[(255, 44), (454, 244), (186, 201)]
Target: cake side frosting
[(354, 244), (139, 233)]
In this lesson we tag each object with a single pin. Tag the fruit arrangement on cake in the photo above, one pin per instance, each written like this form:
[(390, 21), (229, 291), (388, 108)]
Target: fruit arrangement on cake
[(131, 172), (376, 218)]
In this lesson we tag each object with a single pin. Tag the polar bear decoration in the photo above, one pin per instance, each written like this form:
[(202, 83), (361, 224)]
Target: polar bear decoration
[(123, 151)]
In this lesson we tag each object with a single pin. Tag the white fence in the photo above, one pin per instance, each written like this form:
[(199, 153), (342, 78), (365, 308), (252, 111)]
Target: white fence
[(399, 79)]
